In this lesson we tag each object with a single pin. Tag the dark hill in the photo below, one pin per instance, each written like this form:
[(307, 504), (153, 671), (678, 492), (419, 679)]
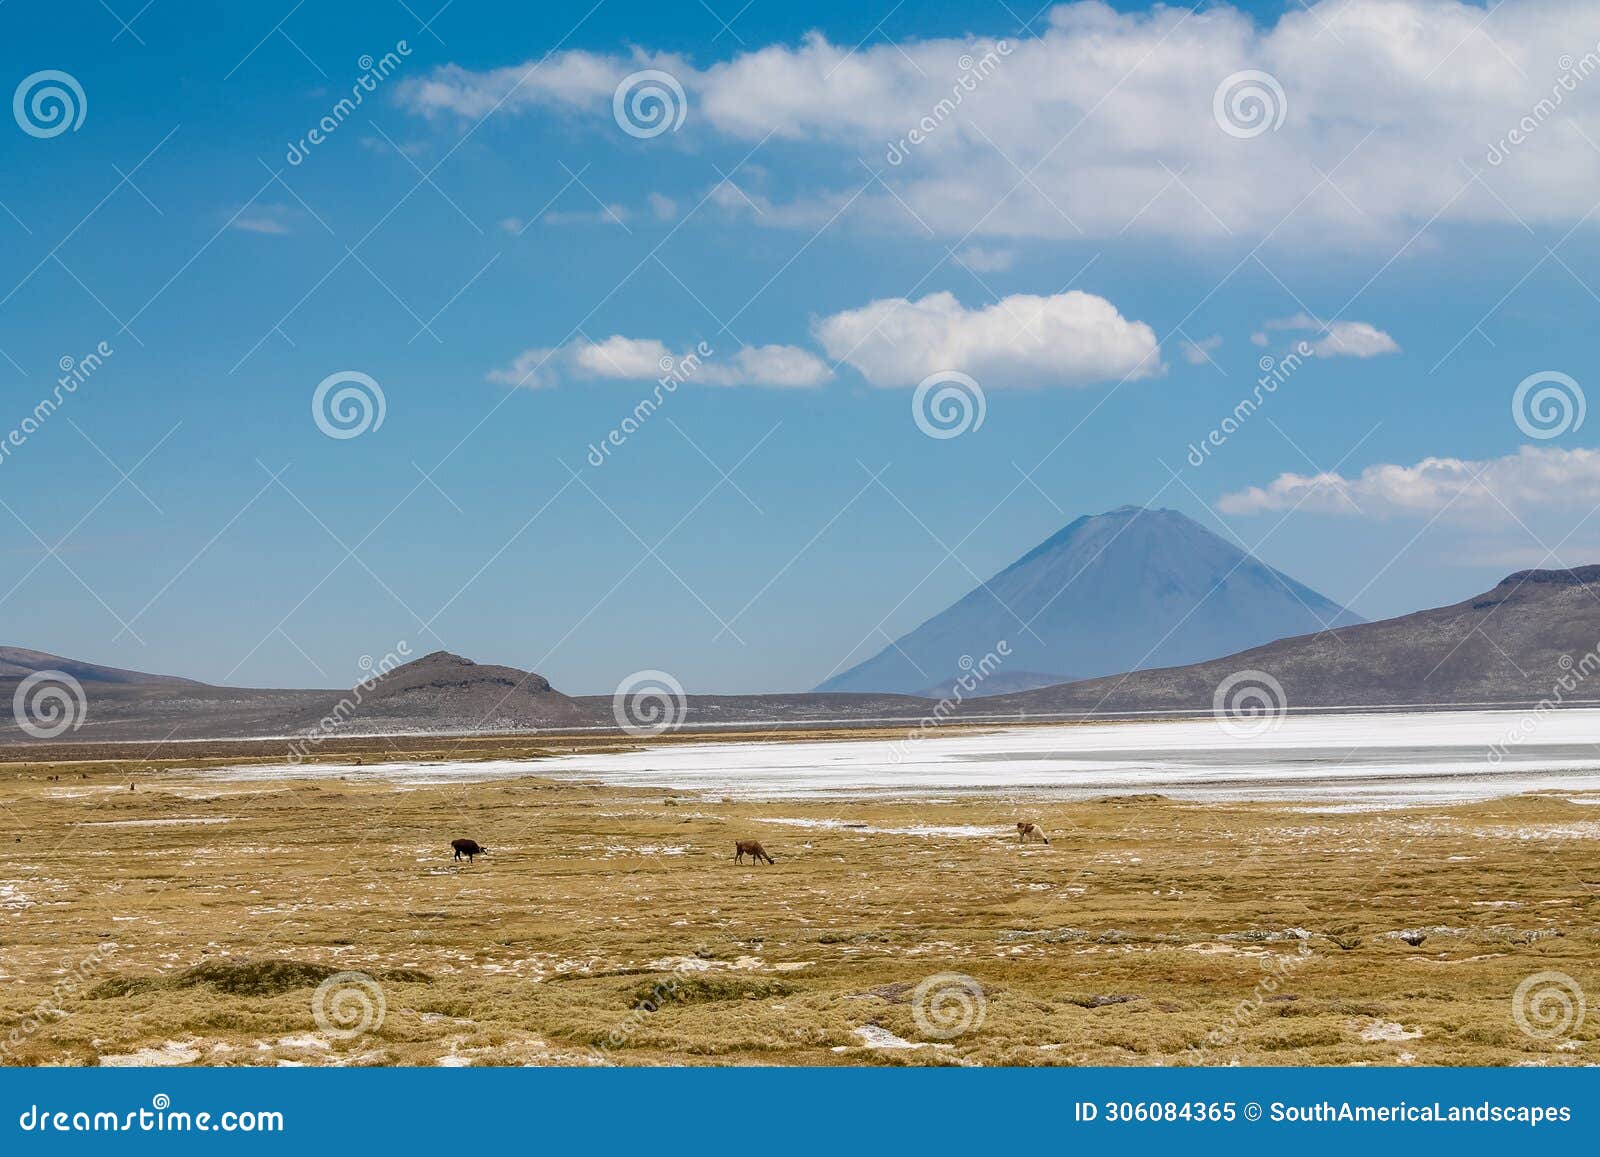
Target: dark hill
[(1516, 642), (446, 692)]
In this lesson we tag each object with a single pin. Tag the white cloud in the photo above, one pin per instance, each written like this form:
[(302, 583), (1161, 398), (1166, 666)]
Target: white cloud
[(664, 207), (1198, 353), (1260, 339), (1071, 338), (981, 260), (1531, 480), (532, 369), (573, 79), (627, 359), (260, 225), (271, 219), (1385, 99), (1355, 339), (768, 365)]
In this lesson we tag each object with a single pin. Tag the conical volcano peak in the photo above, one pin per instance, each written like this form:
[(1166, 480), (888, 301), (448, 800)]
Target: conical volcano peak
[(1132, 588)]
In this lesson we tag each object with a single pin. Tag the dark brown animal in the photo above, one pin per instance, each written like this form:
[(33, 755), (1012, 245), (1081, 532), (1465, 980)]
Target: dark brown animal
[(1027, 831), (468, 848), (743, 848)]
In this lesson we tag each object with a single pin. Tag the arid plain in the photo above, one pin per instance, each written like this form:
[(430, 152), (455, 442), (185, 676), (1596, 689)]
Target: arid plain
[(150, 913)]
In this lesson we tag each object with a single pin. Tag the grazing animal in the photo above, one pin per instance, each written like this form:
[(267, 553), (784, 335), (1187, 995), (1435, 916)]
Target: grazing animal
[(468, 848), (1027, 831), (743, 848)]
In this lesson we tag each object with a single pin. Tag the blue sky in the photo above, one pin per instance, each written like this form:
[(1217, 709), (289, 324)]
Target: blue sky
[(484, 240)]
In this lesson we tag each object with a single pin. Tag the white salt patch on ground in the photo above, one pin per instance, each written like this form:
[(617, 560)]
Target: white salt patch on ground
[(882, 1038), (303, 1040), (171, 1053), (1348, 761), (647, 849), (1388, 1030)]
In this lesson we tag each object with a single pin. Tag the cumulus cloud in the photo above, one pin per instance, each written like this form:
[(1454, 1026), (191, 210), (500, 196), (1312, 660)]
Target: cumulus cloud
[(768, 365), (1533, 479), (1354, 339), (1198, 353), (627, 359), (1382, 101), (1068, 339), (573, 79)]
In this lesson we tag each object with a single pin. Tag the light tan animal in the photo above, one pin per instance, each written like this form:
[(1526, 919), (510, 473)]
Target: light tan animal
[(1027, 831), (743, 848)]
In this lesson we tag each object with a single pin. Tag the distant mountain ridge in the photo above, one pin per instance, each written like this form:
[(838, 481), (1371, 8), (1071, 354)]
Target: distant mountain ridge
[(1129, 589), (19, 663), (1533, 636)]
